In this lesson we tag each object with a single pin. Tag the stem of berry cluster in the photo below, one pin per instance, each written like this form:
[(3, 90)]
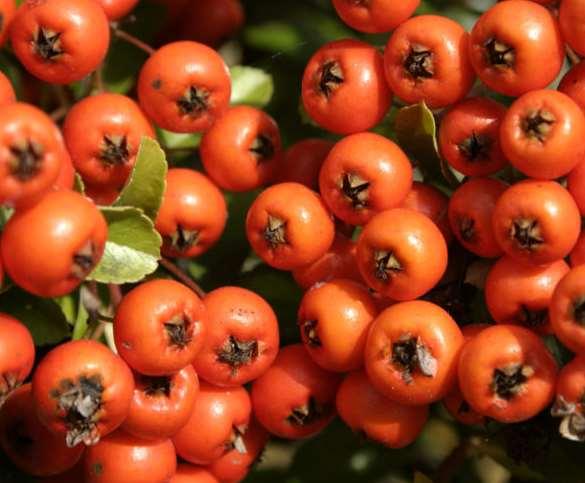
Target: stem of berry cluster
[(574, 59), (180, 275), (121, 34)]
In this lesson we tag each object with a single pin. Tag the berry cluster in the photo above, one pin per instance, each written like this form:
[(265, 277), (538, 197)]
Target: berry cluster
[(159, 381)]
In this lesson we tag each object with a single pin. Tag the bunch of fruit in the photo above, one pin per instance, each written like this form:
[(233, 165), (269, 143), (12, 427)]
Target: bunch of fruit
[(389, 232)]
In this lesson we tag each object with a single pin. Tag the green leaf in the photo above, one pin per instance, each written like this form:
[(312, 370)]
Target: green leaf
[(80, 325), (146, 186), (175, 140), (133, 247), (78, 184), (251, 86), (416, 132), (68, 304), (43, 317)]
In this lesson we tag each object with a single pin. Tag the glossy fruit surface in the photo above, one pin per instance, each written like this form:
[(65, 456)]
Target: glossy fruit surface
[(566, 310), (74, 235), (160, 327), (375, 16), (241, 340)]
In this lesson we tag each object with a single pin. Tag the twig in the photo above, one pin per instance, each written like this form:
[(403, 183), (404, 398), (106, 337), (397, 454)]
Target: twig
[(574, 59), (453, 463), (98, 80), (182, 276), (59, 113), (131, 39), (115, 295)]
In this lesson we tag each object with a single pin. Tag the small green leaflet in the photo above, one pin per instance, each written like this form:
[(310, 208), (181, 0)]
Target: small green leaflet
[(251, 86)]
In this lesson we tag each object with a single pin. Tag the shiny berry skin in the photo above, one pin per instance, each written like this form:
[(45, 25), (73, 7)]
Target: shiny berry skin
[(338, 262), (66, 177), (577, 255), (376, 16), (288, 226), (184, 87), (517, 293), (7, 11), (193, 214), (362, 175), (429, 201), (470, 214), (566, 314), (573, 84), (217, 424), (103, 133), (541, 134), (569, 403), (73, 234), (100, 381), (576, 186), (401, 254), (242, 150), (506, 373), (302, 162), (160, 327), (27, 443), (333, 320), (509, 45), (426, 59), (116, 9), (295, 398), (122, 457), (364, 409), (31, 153), (187, 473), (469, 136), (60, 41), (411, 352), (234, 466), (242, 337), (343, 89), (7, 94), (536, 222), (161, 405), (17, 354), (571, 19)]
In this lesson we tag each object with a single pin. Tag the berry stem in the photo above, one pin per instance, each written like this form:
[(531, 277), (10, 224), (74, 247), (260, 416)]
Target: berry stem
[(131, 39), (572, 56), (180, 275)]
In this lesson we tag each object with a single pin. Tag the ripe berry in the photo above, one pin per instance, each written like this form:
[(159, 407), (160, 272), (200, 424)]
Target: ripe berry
[(338, 262), (60, 41), (426, 59), (571, 20), (573, 84), (193, 214), (7, 94), (536, 222), (242, 150), (184, 87), (470, 214), (411, 352), (241, 340), (217, 424), (541, 134), (160, 327), (161, 405), (116, 9), (294, 398), (517, 293), (83, 391), (374, 16), (334, 319), (401, 254), (73, 234), (289, 226), (507, 373), (302, 162), (567, 310), (362, 175), (509, 45), (469, 136), (344, 90), (429, 201), (27, 443), (7, 11), (364, 409), (122, 457), (17, 354), (569, 403), (187, 473), (31, 154), (103, 134)]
